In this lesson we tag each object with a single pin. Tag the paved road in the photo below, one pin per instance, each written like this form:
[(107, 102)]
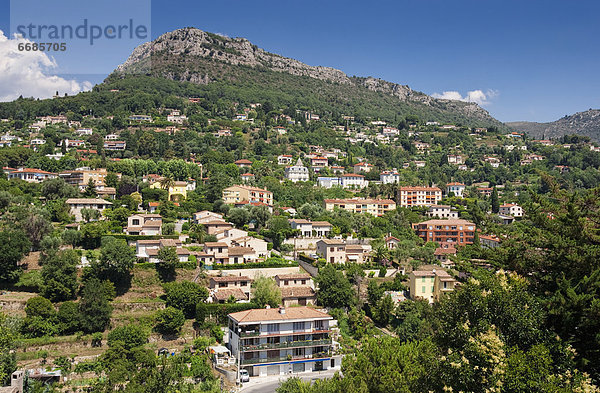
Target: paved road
[(269, 384)]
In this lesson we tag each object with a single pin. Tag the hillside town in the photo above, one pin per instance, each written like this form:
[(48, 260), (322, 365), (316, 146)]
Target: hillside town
[(257, 233), (213, 217)]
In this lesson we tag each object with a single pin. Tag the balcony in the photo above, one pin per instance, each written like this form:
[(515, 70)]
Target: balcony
[(250, 333), (256, 333), (319, 355), (286, 344)]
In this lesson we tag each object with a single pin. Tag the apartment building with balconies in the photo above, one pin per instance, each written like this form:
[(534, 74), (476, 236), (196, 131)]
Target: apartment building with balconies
[(455, 231), (419, 196), (279, 341), (376, 207), (246, 194)]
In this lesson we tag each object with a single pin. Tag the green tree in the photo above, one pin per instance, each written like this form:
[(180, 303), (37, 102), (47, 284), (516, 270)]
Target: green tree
[(41, 318), (184, 295), (71, 237), (265, 291), (36, 226), (8, 359), (201, 313), (91, 234), (14, 245), (354, 272), (335, 289), (90, 189), (111, 180), (94, 306), (115, 263), (58, 189), (495, 201), (39, 306), (59, 275), (239, 216), (90, 214), (260, 215), (169, 321), (399, 367), (129, 336), (68, 317), (167, 262), (384, 311), (119, 215), (413, 320), (279, 229)]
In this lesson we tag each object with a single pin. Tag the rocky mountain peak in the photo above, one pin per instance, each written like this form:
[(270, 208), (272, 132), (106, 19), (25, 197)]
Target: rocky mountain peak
[(200, 57)]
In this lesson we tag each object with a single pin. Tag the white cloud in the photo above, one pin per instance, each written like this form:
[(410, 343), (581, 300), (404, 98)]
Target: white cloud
[(477, 96), (28, 73)]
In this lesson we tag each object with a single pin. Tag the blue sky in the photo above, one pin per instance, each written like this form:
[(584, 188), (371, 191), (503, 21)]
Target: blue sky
[(538, 59)]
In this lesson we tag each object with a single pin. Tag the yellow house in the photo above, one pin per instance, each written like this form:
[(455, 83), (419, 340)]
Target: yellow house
[(177, 189), (430, 285)]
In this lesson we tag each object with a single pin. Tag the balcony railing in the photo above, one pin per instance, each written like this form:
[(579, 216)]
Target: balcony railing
[(250, 333), (254, 333), (286, 344), (319, 355)]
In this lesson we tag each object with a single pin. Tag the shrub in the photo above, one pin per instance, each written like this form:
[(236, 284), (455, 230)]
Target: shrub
[(69, 318), (185, 295), (201, 343), (169, 321), (216, 333), (130, 336), (40, 307), (97, 340), (94, 306), (30, 281), (201, 312)]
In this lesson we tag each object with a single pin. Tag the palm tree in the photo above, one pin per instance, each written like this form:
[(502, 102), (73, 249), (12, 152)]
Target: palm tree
[(167, 182), (198, 232), (381, 253)]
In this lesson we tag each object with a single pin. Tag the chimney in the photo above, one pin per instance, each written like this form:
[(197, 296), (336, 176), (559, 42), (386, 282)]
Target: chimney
[(282, 310)]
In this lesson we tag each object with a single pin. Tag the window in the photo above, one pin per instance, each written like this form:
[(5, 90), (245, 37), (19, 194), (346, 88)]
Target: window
[(423, 289), (298, 326), (272, 327)]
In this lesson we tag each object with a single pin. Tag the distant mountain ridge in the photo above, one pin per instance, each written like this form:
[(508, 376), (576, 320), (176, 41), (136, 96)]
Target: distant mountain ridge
[(585, 123), (196, 56)]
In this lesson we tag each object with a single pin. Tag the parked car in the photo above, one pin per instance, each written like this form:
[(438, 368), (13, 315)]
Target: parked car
[(244, 376)]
